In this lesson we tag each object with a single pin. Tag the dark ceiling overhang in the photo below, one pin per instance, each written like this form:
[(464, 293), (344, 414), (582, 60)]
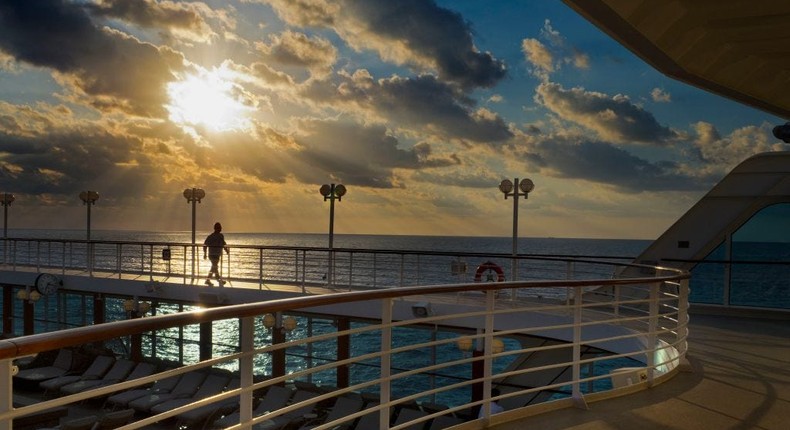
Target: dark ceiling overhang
[(734, 48)]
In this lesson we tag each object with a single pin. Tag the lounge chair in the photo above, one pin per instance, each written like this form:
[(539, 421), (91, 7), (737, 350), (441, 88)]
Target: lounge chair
[(343, 407), (370, 420), (186, 386), (122, 399), (276, 397), (119, 370), (214, 383), (445, 421), (100, 365), (84, 423), (113, 420), (409, 414), (61, 366), (193, 417), (292, 418)]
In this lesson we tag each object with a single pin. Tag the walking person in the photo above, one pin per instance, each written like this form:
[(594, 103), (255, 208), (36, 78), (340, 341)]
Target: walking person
[(215, 243)]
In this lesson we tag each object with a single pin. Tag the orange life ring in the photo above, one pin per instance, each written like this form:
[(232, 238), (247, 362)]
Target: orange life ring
[(488, 267)]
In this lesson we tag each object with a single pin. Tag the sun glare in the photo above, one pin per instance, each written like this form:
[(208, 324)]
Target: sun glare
[(209, 99)]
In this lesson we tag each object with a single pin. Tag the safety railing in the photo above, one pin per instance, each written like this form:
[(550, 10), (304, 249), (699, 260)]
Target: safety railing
[(351, 268), (608, 333)]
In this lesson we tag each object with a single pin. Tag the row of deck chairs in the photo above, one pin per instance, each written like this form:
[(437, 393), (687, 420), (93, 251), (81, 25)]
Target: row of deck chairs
[(109, 421), (307, 415), (175, 391)]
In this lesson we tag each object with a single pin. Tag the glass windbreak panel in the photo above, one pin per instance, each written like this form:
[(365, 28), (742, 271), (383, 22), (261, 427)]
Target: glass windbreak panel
[(760, 274), (708, 278)]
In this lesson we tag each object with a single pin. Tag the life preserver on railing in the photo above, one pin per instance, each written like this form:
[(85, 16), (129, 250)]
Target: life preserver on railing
[(489, 269)]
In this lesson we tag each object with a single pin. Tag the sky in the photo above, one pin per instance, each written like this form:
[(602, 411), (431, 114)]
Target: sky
[(418, 107)]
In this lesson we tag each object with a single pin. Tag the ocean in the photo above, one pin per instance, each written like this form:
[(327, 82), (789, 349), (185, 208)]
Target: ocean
[(627, 248)]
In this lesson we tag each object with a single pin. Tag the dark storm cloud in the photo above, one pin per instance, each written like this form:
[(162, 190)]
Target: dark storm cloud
[(116, 70), (614, 118), (432, 32), (148, 13), (354, 153), (417, 33), (604, 163), (64, 162), (422, 101)]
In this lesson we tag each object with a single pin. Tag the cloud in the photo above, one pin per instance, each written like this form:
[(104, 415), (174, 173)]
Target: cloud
[(421, 102), (577, 157), (660, 96), (300, 50), (415, 33), (117, 71), (538, 55), (318, 150), (721, 153), (547, 59), (183, 19), (614, 118)]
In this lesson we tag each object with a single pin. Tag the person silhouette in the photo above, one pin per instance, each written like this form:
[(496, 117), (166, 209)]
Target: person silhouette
[(215, 243)]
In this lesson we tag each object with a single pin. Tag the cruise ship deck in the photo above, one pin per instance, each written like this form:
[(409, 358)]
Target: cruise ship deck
[(738, 378)]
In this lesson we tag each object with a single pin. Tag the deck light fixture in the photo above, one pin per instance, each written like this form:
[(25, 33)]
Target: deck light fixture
[(194, 196), (136, 307), (515, 189), (284, 324), (464, 344), (6, 199), (332, 192), (89, 199), (28, 294)]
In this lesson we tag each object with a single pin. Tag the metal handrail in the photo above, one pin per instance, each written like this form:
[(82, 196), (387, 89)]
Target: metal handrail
[(655, 319)]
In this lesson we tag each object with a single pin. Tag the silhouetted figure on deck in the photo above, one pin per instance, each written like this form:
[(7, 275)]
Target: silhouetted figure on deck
[(215, 242)]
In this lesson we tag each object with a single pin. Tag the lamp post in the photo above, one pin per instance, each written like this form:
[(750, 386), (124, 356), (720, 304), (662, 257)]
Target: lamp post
[(89, 199), (194, 196), (332, 192), (6, 199), (515, 189)]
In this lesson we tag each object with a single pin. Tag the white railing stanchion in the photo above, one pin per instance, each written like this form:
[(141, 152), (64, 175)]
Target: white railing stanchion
[(576, 392), (246, 368), (652, 337), (488, 348), (7, 399), (386, 363)]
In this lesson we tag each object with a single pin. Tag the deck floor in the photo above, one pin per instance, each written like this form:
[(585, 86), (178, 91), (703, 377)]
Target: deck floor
[(740, 380)]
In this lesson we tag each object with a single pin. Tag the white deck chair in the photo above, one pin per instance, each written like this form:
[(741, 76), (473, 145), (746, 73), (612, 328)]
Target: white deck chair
[(100, 365), (119, 370)]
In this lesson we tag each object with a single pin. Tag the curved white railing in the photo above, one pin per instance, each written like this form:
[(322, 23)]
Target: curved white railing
[(534, 350)]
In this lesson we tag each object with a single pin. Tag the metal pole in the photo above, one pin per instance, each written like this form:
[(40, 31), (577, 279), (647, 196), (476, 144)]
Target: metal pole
[(5, 219), (514, 266), (89, 221), (194, 218), (331, 234)]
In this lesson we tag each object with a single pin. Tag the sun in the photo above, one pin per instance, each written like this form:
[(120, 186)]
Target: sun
[(211, 99)]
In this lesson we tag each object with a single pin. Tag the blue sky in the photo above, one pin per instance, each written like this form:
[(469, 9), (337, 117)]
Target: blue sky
[(419, 108)]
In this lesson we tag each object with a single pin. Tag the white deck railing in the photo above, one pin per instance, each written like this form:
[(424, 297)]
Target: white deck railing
[(643, 319)]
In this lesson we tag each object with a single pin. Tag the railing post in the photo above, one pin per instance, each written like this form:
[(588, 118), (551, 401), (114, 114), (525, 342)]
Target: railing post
[(260, 267), (683, 316), (246, 369), (488, 348), (350, 270), (7, 399), (386, 362), (576, 394), (652, 338)]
